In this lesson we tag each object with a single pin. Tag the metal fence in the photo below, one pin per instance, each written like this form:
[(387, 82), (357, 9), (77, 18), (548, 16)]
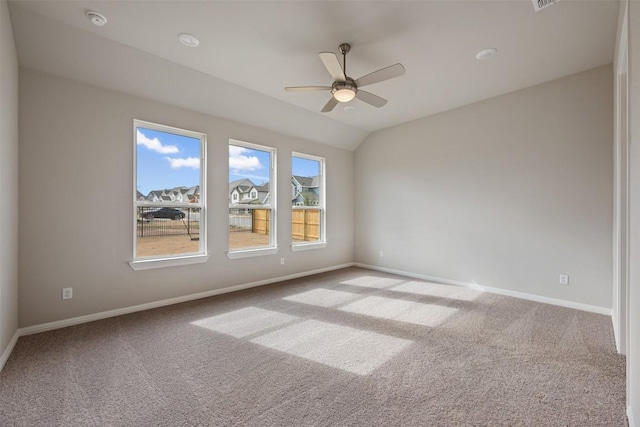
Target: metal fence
[(250, 220), (240, 220), (156, 221)]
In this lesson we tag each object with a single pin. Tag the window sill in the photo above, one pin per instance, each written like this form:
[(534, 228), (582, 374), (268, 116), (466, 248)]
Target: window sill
[(147, 264), (251, 253), (308, 246)]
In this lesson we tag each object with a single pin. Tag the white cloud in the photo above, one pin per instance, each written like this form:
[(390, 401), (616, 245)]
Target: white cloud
[(257, 179), (155, 144), (239, 162), (189, 162)]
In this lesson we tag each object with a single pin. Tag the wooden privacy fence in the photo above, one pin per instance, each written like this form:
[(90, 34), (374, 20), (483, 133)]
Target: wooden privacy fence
[(261, 221), (305, 223)]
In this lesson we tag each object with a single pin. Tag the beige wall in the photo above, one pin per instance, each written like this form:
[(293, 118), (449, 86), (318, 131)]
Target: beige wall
[(633, 354), (76, 155), (508, 193), (8, 181)]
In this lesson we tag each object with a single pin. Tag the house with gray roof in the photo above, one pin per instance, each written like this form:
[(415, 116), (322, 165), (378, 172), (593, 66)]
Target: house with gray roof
[(305, 191), (244, 191), (180, 194)]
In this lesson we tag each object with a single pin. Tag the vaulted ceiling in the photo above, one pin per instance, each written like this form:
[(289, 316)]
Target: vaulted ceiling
[(250, 50)]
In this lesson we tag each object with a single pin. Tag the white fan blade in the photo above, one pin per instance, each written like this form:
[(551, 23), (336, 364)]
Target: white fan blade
[(306, 88), (370, 98), (331, 105), (330, 61), (390, 72)]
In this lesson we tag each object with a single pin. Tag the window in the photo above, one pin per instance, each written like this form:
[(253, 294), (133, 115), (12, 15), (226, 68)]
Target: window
[(252, 200), (308, 202), (169, 196)]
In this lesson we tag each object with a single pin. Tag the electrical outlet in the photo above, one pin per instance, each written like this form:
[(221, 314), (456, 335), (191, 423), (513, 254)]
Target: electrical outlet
[(281, 261), (564, 279), (67, 293), (381, 254)]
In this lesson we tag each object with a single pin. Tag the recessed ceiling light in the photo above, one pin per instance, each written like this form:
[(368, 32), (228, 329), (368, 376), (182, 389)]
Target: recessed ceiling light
[(96, 18), (188, 40), (486, 53)]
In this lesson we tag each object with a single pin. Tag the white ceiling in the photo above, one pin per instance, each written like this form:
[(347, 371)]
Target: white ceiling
[(251, 50)]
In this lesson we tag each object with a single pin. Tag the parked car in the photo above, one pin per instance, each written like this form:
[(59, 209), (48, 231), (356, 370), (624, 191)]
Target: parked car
[(169, 213)]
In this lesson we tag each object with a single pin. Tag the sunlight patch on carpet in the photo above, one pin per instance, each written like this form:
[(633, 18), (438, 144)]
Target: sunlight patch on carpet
[(400, 310), (437, 290), (247, 321), (349, 349), (372, 282), (322, 297)]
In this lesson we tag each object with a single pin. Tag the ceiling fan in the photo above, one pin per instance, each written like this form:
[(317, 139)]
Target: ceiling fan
[(344, 88)]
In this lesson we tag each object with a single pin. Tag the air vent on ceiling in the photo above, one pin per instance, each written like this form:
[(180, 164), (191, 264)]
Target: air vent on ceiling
[(538, 5)]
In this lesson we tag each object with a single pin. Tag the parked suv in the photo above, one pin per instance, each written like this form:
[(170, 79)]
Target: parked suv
[(169, 213)]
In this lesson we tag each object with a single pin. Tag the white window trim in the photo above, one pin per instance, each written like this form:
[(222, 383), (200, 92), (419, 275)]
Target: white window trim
[(322, 243), (295, 247), (147, 264), (273, 242), (161, 261), (251, 252)]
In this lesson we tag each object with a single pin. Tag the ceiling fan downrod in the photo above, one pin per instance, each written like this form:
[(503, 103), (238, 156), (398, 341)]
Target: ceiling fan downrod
[(344, 49)]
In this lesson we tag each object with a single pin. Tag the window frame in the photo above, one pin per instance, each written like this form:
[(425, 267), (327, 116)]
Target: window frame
[(272, 205), (160, 261), (322, 200)]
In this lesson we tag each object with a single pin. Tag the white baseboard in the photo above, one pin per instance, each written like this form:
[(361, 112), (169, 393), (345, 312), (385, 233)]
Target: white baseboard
[(521, 295), (630, 419), (156, 304), (9, 349)]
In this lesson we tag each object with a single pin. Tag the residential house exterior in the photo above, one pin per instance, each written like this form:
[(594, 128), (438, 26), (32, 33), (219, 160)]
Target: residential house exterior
[(305, 191), (244, 192), (180, 194)]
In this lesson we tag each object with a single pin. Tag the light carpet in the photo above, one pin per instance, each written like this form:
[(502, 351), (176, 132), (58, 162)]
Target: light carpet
[(351, 347)]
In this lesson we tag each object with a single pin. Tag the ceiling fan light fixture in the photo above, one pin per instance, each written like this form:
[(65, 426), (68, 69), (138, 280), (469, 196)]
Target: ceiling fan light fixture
[(344, 95), (344, 91)]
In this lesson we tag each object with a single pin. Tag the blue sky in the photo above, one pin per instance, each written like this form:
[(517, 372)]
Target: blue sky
[(248, 163), (254, 165), (166, 160), (304, 167)]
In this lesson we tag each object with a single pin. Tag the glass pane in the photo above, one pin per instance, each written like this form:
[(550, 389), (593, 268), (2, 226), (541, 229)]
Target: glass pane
[(168, 167), (305, 182), (162, 230), (167, 174), (249, 184), (305, 191), (249, 176)]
